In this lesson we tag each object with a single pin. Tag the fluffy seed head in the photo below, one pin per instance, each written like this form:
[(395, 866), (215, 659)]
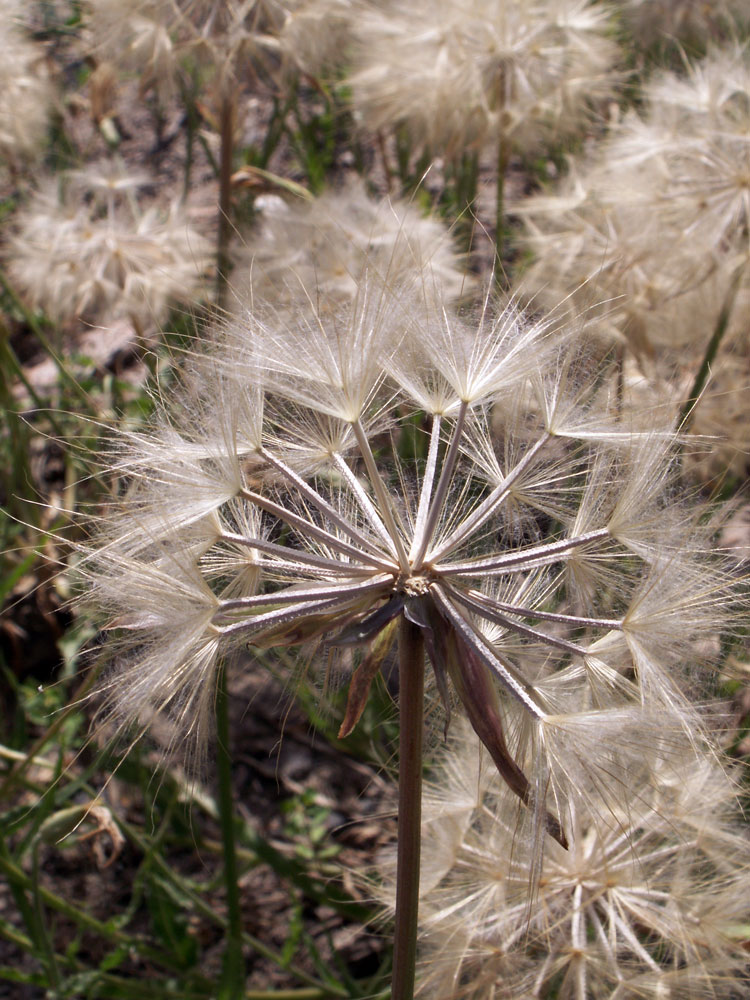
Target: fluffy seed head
[(278, 500), (657, 224), (85, 248), (320, 250), (154, 37), (456, 74), (316, 34), (25, 92), (693, 21), (645, 902)]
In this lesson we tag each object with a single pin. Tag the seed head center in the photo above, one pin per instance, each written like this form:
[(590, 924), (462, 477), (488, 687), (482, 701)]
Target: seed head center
[(415, 586)]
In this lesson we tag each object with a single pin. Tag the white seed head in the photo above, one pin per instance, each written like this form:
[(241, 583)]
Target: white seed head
[(321, 249), (666, 21), (316, 34), (25, 91), (643, 903), (559, 590), (457, 73), (84, 248), (154, 38), (656, 224)]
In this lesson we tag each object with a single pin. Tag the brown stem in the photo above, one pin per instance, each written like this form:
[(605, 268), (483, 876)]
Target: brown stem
[(411, 719), (503, 155), (387, 169), (226, 128)]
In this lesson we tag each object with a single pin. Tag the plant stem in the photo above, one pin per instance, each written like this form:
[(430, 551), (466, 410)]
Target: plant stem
[(232, 985), (503, 151), (720, 329), (411, 716), (74, 705), (192, 124), (226, 129)]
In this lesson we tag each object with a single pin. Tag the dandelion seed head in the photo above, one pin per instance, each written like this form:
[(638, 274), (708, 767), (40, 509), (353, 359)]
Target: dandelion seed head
[(25, 90), (654, 21), (277, 479), (321, 250), (656, 224), (316, 34)]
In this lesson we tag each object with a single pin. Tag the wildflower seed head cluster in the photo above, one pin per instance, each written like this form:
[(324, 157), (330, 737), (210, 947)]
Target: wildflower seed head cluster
[(157, 38), (315, 35), (528, 534), (655, 22), (658, 222), (321, 249)]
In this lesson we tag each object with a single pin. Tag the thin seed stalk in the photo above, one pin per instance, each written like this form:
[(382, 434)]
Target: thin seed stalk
[(722, 323), (226, 128), (503, 153), (411, 718), (232, 985)]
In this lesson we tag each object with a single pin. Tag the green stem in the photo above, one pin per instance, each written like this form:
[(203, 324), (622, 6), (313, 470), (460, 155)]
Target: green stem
[(41, 934), (411, 720), (275, 131), (218, 920), (232, 985), (17, 878), (17, 433), (720, 329), (8, 358), (192, 124)]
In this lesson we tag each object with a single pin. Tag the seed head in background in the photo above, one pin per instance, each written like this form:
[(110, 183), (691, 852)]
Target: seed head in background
[(85, 247), (655, 225), (25, 90), (647, 902), (315, 35), (156, 39), (458, 75), (320, 250), (665, 22)]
